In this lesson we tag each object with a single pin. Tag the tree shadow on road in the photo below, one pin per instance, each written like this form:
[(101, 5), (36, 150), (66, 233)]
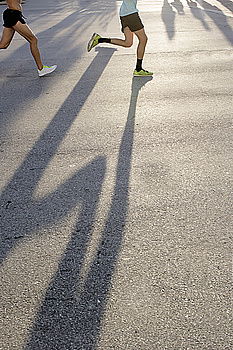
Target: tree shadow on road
[(70, 317)]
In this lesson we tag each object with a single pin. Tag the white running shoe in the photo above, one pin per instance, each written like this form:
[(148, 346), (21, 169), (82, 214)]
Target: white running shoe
[(46, 70)]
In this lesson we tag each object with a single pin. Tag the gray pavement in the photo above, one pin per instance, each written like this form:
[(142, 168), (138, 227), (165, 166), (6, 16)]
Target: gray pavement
[(116, 193)]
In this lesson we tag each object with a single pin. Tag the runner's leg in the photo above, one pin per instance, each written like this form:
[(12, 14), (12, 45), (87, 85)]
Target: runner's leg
[(97, 39), (128, 42), (7, 36), (142, 37), (139, 71), (26, 32)]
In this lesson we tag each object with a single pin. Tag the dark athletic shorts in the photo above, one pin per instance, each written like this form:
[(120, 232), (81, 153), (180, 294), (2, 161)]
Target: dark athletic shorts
[(11, 17), (133, 21)]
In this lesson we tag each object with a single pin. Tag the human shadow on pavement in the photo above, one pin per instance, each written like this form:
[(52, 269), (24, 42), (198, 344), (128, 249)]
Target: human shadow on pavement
[(21, 214), (219, 18), (177, 4), (227, 3), (198, 13), (70, 316), (168, 18)]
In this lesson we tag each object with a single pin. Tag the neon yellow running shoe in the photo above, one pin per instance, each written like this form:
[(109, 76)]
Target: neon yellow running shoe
[(93, 41), (142, 73)]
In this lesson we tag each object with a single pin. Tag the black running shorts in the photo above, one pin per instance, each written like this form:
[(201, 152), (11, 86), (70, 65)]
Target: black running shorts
[(11, 17), (133, 21)]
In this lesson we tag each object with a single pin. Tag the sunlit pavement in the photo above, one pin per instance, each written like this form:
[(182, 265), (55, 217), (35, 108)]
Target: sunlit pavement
[(116, 192)]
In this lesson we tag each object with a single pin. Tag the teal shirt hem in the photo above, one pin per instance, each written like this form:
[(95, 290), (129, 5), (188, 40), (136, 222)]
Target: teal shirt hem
[(128, 7)]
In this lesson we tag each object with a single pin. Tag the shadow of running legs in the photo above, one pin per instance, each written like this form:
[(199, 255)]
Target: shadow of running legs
[(198, 13), (219, 18), (71, 319), (177, 4), (227, 3), (168, 18), (16, 218), (26, 217)]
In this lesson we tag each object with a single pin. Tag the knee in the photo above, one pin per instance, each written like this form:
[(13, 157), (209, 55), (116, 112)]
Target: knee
[(4, 46), (144, 39), (33, 40), (128, 43)]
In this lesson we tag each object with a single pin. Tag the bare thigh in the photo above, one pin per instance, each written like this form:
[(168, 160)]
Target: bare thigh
[(7, 36), (141, 35), (25, 31), (128, 36)]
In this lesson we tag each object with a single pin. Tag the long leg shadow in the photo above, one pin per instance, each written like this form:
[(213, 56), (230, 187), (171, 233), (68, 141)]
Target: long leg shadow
[(219, 19), (198, 13), (227, 3), (69, 320), (177, 4), (168, 18), (17, 203)]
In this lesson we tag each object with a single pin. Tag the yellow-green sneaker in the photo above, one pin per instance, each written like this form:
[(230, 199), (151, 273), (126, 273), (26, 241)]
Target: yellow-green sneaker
[(142, 73), (93, 41)]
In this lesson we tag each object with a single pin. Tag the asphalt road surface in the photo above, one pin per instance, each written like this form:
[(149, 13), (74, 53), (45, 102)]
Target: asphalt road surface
[(116, 193)]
